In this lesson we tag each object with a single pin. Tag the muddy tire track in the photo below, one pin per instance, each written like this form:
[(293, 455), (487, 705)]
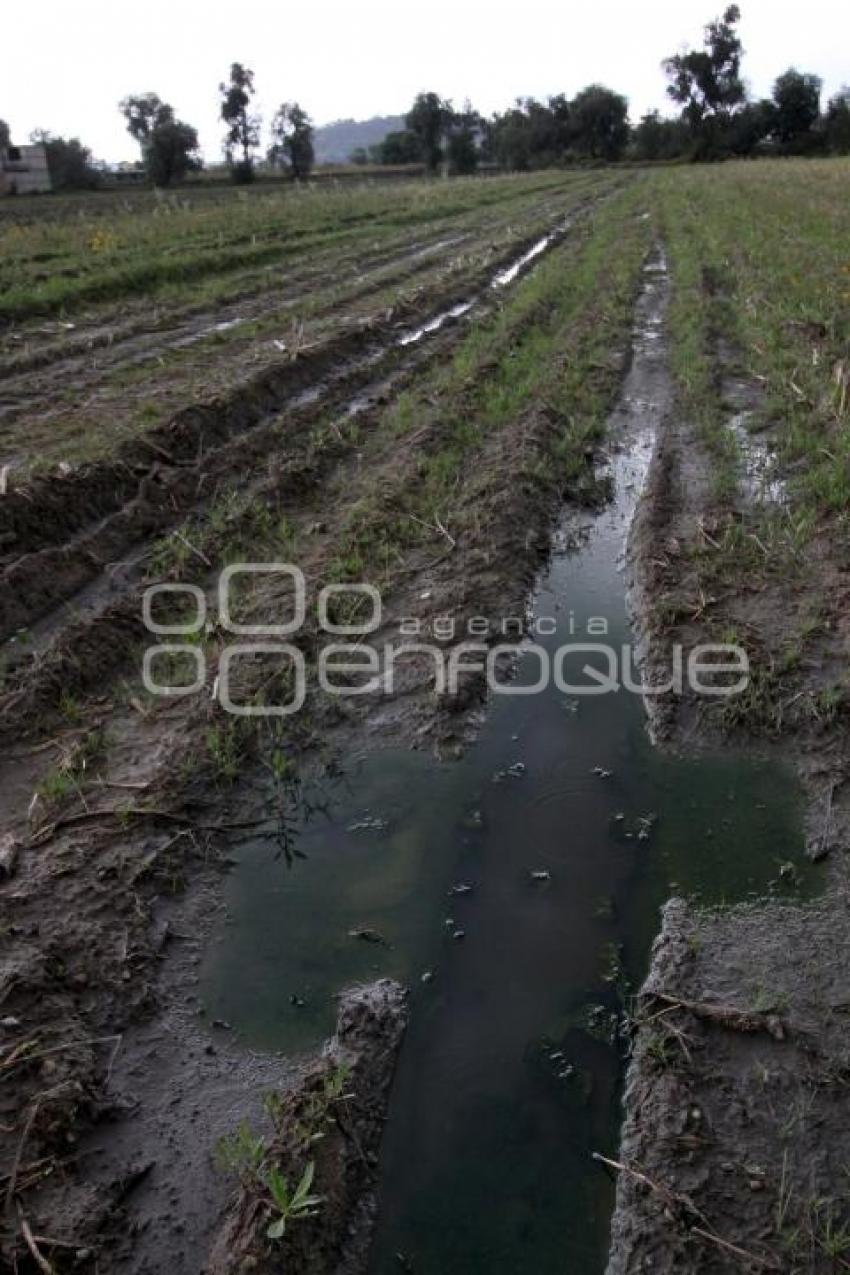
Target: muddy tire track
[(71, 654), (133, 339), (142, 345), (50, 508), (158, 496)]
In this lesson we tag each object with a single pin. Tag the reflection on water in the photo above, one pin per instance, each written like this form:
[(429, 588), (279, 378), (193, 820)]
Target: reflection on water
[(571, 831), (503, 278), (509, 1076), (759, 477)]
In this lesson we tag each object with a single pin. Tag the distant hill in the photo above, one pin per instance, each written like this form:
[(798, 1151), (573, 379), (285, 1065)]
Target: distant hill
[(335, 142)]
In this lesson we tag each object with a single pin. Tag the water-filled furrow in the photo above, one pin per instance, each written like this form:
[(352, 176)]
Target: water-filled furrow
[(516, 892), (503, 278)]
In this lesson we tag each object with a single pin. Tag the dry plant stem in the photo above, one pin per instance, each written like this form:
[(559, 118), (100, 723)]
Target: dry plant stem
[(672, 1200), (13, 1176), (725, 1015), (29, 1239)]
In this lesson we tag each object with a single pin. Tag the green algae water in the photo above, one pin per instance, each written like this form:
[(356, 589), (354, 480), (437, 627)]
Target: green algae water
[(516, 892)]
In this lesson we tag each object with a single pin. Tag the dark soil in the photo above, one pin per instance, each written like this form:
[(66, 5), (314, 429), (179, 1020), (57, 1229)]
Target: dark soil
[(736, 1110), (735, 1139), (336, 1238)]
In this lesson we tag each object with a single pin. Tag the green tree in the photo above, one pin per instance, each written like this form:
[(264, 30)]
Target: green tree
[(511, 139), (243, 127), (170, 152), (169, 146), (402, 147), (463, 128), (750, 127), (599, 123), (462, 152), (533, 135), (487, 140), (525, 136), (542, 133), (656, 138), (562, 124), (837, 122), (427, 120), (707, 83), (796, 108), (292, 140), (68, 161), (144, 112)]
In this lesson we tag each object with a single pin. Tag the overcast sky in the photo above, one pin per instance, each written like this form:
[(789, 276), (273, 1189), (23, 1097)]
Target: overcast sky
[(65, 65)]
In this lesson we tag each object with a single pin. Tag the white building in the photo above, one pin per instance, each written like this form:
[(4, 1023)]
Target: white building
[(23, 170)]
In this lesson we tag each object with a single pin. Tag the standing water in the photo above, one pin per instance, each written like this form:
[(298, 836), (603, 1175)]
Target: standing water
[(570, 830)]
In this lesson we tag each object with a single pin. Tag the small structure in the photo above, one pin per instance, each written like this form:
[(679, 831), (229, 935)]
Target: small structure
[(129, 175), (23, 170)]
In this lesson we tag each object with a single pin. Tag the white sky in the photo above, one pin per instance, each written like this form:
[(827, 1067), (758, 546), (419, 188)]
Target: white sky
[(66, 64)]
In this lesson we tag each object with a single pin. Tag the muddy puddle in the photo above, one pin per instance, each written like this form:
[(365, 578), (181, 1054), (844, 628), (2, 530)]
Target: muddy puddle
[(516, 892)]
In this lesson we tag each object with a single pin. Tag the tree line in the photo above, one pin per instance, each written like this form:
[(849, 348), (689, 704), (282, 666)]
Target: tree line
[(716, 120), (592, 125)]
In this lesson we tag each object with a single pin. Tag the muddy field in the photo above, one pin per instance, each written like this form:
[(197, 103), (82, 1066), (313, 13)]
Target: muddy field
[(416, 387)]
